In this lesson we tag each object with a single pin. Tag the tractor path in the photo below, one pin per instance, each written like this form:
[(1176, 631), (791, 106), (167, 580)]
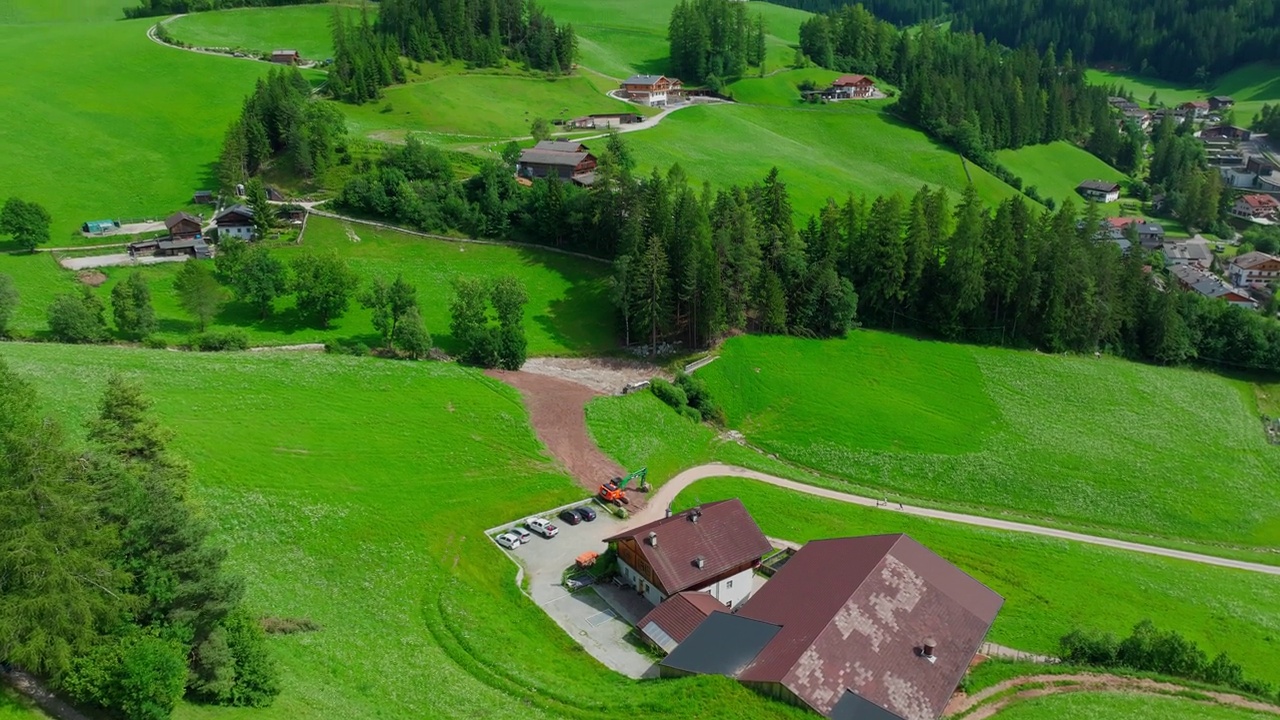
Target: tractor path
[(557, 411), (1082, 682)]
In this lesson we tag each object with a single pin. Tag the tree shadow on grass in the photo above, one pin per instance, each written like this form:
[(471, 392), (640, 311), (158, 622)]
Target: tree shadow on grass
[(655, 66)]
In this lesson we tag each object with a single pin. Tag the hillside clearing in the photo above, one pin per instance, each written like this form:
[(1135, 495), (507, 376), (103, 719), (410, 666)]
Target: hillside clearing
[(1057, 168), (1093, 443), (1250, 86), (305, 28), (1122, 706)]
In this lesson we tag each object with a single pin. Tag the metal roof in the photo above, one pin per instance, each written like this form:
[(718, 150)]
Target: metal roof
[(722, 645), (678, 616), (724, 536), (643, 79), (242, 210), (854, 612), (570, 146), (853, 706), (178, 217), (552, 157), (1101, 185)]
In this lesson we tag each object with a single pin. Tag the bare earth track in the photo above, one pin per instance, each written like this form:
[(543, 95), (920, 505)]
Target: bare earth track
[(1082, 682)]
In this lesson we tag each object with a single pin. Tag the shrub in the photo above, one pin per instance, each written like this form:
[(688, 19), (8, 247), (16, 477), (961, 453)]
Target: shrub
[(699, 397), (288, 626), (139, 675), (668, 393), (220, 341), (78, 319), (154, 343), (691, 413)]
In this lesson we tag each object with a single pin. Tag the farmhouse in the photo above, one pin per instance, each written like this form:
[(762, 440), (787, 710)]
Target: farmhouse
[(1099, 190), (558, 159), (1195, 108), (182, 226), (235, 222), (1220, 102), (1188, 252), (1150, 235), (1253, 269), (1193, 278), (850, 86), (285, 57), (713, 548), (1225, 132), (193, 247), (653, 89), (874, 627), (1255, 207)]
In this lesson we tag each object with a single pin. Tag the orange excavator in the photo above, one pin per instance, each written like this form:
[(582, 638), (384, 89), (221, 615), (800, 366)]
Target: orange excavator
[(614, 490)]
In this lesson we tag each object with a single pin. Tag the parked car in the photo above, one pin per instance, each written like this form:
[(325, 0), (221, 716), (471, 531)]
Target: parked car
[(570, 517), (542, 526), (586, 513), (521, 533), (509, 540)]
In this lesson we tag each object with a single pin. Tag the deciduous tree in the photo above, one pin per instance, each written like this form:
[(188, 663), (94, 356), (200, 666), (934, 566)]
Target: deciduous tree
[(79, 318), (323, 285), (131, 307), (26, 222), (199, 293)]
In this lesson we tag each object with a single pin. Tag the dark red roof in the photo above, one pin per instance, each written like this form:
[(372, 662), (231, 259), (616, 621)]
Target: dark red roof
[(844, 80), (178, 217), (724, 536), (1259, 201), (679, 614), (854, 612)]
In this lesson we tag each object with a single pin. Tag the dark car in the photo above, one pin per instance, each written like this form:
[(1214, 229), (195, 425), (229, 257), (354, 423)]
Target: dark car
[(570, 517), (586, 513)]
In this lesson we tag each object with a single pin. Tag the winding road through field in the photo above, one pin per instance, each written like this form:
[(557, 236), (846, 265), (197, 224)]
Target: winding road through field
[(660, 499)]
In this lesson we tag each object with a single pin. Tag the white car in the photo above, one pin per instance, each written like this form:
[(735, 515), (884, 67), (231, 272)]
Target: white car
[(520, 533), (542, 526), (509, 541)]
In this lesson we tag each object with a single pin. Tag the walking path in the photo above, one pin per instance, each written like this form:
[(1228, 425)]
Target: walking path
[(663, 497)]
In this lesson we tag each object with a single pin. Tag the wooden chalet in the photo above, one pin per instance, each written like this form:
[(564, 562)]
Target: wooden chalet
[(182, 226)]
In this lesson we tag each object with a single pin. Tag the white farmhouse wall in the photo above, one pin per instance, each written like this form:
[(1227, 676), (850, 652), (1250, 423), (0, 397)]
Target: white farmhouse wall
[(633, 578), (731, 591), (243, 232)]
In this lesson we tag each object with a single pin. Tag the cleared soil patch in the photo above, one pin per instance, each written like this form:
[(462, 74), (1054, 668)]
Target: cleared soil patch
[(556, 413), (1083, 682)]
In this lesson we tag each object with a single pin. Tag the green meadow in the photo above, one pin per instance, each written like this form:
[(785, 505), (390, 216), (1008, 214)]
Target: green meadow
[(568, 311), (99, 122), (1057, 168), (1121, 706), (1101, 444), (305, 28), (783, 88), (822, 152), (1250, 86), (15, 707), (1050, 586), (354, 492)]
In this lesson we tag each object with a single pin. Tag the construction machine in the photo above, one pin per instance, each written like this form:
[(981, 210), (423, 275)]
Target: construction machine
[(614, 490)]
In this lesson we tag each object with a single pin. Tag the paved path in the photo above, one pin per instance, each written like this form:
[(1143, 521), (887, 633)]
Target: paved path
[(116, 260), (659, 500)]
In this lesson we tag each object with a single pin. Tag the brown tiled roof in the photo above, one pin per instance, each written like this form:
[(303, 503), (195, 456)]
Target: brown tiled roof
[(679, 614), (178, 217), (725, 536), (1252, 259), (849, 80), (854, 612)]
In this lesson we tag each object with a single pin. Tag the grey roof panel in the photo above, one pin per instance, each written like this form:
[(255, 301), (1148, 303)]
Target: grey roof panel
[(722, 644), (855, 707)]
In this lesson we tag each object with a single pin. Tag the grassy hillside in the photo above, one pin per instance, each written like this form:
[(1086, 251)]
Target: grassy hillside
[(1050, 586), (15, 707), (479, 106), (782, 88), (1096, 443), (828, 151), (1251, 86), (1057, 168), (304, 28), (1118, 706), (100, 122), (353, 492), (568, 313)]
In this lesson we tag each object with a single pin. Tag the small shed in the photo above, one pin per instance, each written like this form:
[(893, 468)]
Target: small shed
[(100, 226), (285, 57), (203, 197)]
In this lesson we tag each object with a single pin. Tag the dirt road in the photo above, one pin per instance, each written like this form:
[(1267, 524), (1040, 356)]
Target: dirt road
[(1084, 682)]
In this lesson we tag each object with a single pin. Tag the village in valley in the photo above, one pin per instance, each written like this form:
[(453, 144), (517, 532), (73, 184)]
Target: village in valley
[(682, 358)]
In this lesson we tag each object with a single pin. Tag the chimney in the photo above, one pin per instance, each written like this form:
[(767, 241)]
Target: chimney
[(653, 539), (928, 646), (668, 511), (700, 561), (694, 514)]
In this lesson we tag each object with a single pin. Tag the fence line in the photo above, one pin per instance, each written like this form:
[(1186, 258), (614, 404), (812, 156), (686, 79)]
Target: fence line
[(699, 364)]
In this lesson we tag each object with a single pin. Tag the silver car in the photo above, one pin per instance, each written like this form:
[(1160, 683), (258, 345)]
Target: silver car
[(509, 540)]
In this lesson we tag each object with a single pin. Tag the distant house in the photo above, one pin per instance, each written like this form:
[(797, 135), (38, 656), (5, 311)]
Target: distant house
[(851, 86), (1195, 108), (556, 159), (1197, 280), (183, 225), (858, 628), (285, 57), (1139, 116), (653, 89), (1159, 115), (274, 194), (667, 625), (1220, 102), (1099, 190), (193, 247), (605, 120), (1149, 234), (235, 222), (203, 197), (1255, 207), (1188, 252), (1253, 269), (1225, 132), (713, 548)]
